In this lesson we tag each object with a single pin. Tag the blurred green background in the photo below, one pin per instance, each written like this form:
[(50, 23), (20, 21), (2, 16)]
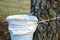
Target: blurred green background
[(12, 7)]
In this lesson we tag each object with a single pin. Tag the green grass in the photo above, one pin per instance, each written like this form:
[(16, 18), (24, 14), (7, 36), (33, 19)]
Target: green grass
[(12, 7)]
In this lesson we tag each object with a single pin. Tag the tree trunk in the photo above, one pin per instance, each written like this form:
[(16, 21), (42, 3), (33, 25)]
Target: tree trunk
[(47, 12)]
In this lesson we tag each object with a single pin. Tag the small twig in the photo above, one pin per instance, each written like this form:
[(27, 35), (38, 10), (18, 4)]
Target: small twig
[(48, 20)]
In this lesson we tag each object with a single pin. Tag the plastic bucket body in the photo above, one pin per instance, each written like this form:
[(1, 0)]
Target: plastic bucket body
[(21, 37), (24, 36), (22, 27)]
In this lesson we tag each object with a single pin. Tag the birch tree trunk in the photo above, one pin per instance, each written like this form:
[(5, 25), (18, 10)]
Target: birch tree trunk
[(47, 12)]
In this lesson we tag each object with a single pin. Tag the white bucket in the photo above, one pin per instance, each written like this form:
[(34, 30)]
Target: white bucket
[(22, 27)]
